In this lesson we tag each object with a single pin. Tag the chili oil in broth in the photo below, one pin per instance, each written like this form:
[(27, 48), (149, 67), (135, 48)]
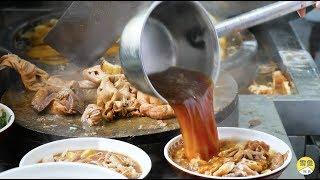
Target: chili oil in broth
[(190, 94)]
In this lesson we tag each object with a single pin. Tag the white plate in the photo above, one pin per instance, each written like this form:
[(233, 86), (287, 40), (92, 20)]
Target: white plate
[(9, 114), (60, 170), (37, 154), (240, 134)]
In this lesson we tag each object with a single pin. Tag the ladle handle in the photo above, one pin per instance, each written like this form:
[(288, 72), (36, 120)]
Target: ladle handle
[(260, 15)]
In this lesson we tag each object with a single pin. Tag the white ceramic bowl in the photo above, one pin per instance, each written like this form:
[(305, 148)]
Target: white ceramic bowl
[(10, 115), (60, 170), (37, 154), (240, 134)]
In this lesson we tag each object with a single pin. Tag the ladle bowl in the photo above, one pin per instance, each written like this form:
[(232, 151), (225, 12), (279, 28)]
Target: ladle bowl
[(169, 34)]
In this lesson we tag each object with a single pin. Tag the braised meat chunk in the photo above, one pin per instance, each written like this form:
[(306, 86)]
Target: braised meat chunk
[(92, 115), (63, 101), (117, 97), (94, 74), (67, 102), (32, 77), (154, 107), (44, 97), (63, 97)]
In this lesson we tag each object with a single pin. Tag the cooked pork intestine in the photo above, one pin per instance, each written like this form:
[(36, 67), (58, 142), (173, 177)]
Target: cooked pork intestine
[(32, 77), (224, 169), (276, 161), (115, 95), (154, 107), (92, 115), (94, 74), (86, 84), (257, 146), (254, 165), (58, 82), (114, 161), (67, 102), (234, 160)]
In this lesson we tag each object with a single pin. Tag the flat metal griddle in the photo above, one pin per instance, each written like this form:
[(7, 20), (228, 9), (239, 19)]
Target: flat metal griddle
[(70, 126)]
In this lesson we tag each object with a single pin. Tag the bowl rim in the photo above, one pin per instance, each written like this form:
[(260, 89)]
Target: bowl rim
[(99, 140), (66, 164), (282, 167), (11, 117)]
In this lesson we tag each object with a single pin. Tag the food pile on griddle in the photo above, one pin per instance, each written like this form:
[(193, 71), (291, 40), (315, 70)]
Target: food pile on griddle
[(115, 96)]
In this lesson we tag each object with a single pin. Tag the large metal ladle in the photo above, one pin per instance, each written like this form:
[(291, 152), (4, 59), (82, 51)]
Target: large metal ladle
[(181, 34)]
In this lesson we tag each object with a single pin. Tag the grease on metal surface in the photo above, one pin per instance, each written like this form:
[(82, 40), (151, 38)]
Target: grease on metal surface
[(71, 126)]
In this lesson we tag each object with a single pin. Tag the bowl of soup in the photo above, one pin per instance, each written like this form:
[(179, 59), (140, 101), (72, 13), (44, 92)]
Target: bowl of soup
[(243, 154), (119, 156)]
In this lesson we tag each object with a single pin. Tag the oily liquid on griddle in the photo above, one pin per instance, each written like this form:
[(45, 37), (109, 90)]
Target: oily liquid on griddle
[(191, 96)]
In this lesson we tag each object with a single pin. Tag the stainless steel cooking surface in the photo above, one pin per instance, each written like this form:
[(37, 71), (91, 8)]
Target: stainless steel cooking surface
[(18, 100), (290, 42)]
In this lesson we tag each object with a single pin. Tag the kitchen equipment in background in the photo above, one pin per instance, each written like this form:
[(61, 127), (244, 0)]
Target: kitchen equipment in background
[(88, 28), (238, 49), (307, 30)]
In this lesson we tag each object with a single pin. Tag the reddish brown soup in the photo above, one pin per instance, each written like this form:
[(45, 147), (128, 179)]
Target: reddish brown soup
[(191, 96)]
